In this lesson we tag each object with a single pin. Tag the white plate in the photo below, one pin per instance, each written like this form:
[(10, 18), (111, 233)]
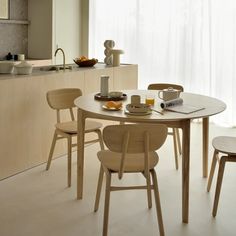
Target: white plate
[(111, 108), (115, 94), (138, 108), (138, 113)]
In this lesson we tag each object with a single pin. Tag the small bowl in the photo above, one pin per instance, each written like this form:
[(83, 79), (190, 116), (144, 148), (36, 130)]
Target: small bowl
[(23, 68), (138, 108), (6, 67), (115, 94), (86, 63)]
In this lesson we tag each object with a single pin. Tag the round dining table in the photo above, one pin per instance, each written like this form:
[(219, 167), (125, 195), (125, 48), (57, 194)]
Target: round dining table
[(89, 107)]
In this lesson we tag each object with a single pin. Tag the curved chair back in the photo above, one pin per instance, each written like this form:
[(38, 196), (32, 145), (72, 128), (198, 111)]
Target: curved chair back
[(162, 86), (134, 138), (60, 99)]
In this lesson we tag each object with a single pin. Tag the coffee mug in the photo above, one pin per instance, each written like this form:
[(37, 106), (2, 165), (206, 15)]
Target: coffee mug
[(135, 99), (168, 94)]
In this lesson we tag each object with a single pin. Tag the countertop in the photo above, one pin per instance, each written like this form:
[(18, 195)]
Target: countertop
[(37, 71)]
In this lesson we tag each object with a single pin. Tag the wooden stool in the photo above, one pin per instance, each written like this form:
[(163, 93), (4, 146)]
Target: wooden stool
[(225, 145)]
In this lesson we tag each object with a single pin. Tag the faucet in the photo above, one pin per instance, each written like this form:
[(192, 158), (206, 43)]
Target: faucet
[(60, 49)]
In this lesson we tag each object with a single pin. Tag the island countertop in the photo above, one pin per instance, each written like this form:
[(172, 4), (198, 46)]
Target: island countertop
[(42, 70)]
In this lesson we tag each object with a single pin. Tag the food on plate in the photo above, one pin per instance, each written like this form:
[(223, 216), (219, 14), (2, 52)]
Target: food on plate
[(113, 104), (84, 58), (83, 61)]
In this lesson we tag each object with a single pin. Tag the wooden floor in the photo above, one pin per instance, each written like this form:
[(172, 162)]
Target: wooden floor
[(38, 203)]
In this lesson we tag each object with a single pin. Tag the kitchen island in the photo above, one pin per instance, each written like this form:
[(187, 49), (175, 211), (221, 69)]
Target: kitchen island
[(27, 122)]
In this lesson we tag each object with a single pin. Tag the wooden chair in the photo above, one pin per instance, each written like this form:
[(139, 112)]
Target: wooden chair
[(131, 149), (175, 131), (225, 145), (61, 99)]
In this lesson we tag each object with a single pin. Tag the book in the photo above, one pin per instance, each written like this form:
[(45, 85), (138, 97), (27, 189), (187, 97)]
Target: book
[(184, 108)]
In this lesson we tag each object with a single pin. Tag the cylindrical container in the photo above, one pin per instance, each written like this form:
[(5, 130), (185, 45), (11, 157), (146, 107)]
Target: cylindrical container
[(21, 57), (116, 56), (104, 85), (135, 99)]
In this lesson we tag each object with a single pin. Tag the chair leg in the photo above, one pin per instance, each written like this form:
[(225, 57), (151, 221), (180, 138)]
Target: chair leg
[(158, 203), (51, 150), (175, 149), (107, 203), (99, 133), (99, 187), (149, 195), (213, 165), (178, 141), (69, 161), (219, 184)]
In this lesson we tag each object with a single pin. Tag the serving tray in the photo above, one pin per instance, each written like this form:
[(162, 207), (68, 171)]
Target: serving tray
[(109, 98)]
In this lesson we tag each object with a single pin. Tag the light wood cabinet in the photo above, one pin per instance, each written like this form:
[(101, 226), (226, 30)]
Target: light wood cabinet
[(126, 77), (53, 24), (92, 80), (26, 120)]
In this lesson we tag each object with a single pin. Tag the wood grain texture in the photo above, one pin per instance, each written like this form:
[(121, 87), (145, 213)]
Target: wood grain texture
[(131, 149), (26, 120)]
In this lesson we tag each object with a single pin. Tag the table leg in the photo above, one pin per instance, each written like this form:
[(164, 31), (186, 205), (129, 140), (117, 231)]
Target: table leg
[(205, 141), (80, 153), (185, 170)]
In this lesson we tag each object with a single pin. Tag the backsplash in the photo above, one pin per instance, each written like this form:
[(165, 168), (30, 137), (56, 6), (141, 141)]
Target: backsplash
[(14, 37)]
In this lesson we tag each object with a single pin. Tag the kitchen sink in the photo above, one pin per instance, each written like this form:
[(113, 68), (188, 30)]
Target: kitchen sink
[(55, 68)]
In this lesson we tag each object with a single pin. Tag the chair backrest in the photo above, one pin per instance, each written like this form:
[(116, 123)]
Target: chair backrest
[(161, 86), (60, 99), (134, 138)]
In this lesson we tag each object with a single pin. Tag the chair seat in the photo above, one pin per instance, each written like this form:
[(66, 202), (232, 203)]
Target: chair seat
[(225, 144), (71, 126), (133, 162)]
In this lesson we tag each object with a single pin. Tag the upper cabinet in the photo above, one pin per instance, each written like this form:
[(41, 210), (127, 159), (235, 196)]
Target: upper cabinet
[(40, 30), (67, 28), (53, 24)]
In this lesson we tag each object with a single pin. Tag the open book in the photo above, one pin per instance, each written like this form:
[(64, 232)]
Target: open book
[(177, 105), (184, 108)]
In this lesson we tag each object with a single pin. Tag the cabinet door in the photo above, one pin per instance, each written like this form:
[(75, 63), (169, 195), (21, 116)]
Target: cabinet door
[(13, 126), (40, 29), (125, 77), (92, 79), (66, 29)]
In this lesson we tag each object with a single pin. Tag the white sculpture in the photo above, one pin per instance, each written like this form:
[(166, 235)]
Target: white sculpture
[(116, 56), (109, 45)]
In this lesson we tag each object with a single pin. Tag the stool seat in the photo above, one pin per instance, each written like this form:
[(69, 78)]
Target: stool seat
[(225, 151), (225, 144)]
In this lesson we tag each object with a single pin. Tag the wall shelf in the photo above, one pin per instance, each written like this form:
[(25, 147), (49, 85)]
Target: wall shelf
[(19, 22)]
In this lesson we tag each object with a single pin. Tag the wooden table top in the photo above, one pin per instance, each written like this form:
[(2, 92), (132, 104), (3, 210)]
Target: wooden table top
[(211, 106)]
